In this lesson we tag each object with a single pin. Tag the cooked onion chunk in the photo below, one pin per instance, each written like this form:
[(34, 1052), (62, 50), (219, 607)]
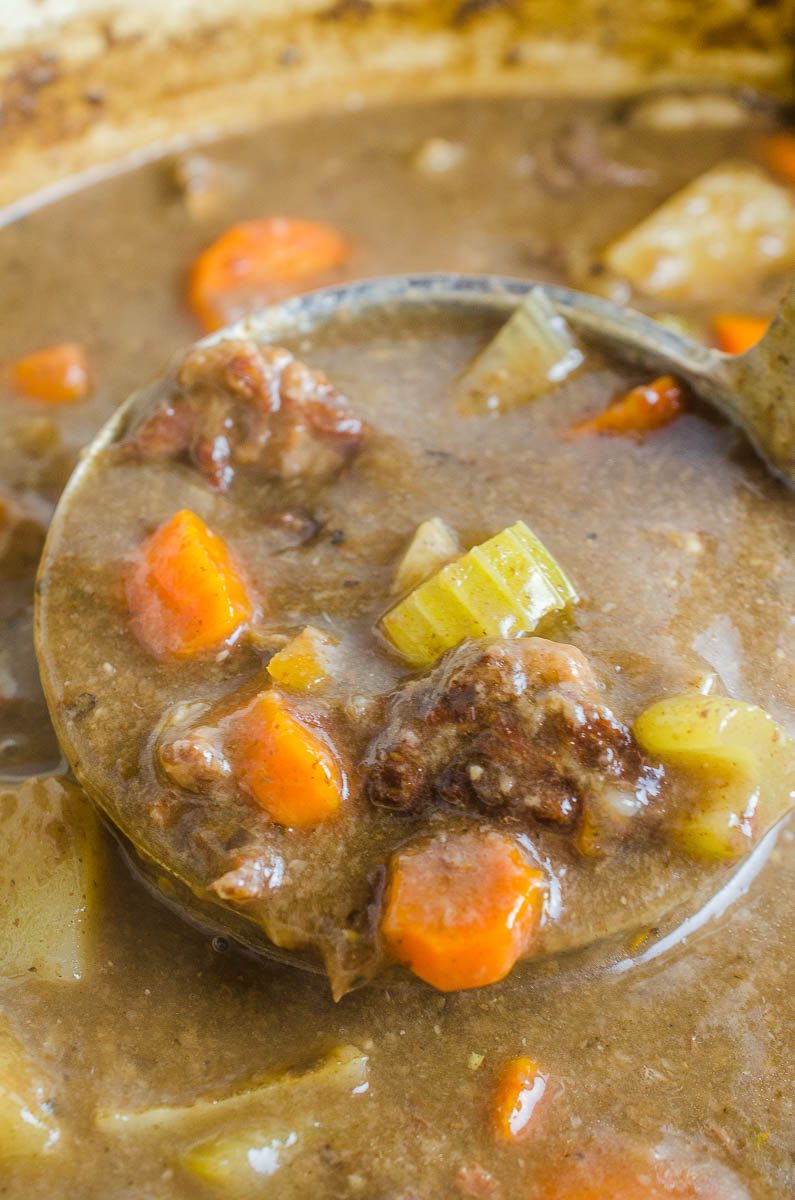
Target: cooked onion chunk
[(726, 227), (26, 1124), (532, 353), (50, 885), (501, 588), (744, 762)]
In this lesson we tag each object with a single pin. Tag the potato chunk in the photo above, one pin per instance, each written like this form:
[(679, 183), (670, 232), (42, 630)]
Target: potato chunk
[(726, 227), (51, 879), (305, 663), (26, 1124), (743, 761)]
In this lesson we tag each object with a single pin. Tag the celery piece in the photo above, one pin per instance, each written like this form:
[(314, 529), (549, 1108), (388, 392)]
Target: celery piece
[(50, 886), (503, 587), (342, 1071), (27, 1127), (533, 353), (432, 546), (731, 225), (304, 663), (743, 763)]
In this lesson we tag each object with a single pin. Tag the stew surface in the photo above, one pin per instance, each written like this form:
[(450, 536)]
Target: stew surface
[(659, 1074)]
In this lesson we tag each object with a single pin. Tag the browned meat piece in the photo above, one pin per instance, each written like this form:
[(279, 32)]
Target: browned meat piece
[(516, 728), (195, 761), (251, 876), (239, 403), (168, 432)]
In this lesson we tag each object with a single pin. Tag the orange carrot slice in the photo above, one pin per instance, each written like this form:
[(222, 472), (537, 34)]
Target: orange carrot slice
[(462, 908), (640, 411), (185, 592), (283, 764), (777, 151), (737, 332), (520, 1087), (55, 375), (258, 262), (632, 1173)]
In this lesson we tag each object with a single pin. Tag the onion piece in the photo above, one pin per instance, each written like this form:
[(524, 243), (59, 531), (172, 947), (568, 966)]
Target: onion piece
[(532, 354)]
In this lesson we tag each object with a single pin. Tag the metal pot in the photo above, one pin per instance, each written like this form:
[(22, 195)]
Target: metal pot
[(87, 83)]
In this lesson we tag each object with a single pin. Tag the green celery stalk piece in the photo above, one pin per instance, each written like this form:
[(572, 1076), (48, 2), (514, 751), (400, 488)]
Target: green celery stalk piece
[(502, 588)]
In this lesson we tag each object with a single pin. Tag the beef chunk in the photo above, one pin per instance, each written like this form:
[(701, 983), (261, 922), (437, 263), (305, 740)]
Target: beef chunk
[(195, 761), (251, 876), (238, 403), (516, 728)]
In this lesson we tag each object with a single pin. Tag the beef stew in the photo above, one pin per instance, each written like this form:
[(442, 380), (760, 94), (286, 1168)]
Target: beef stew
[(168, 1064)]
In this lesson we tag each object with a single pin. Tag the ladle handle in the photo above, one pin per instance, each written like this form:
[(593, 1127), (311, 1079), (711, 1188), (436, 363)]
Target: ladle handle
[(760, 390)]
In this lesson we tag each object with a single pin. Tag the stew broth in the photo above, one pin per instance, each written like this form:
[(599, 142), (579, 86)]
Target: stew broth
[(681, 546)]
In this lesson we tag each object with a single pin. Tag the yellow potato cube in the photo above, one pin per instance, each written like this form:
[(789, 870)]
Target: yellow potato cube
[(741, 760), (304, 663), (728, 226)]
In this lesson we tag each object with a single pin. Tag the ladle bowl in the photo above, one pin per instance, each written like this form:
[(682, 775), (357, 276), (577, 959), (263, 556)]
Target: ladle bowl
[(751, 390)]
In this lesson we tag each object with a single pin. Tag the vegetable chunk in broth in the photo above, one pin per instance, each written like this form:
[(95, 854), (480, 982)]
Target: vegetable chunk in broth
[(414, 682)]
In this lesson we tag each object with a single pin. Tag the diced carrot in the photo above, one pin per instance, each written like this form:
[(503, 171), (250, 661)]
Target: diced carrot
[(737, 332), (631, 1174), (640, 411), (520, 1087), (283, 764), (777, 151), (55, 375), (185, 592), (462, 908), (257, 262)]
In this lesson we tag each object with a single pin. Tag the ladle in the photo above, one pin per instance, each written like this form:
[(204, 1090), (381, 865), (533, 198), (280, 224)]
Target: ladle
[(755, 391)]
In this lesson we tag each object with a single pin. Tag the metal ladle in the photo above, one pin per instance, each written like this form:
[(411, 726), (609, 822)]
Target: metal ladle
[(755, 391)]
